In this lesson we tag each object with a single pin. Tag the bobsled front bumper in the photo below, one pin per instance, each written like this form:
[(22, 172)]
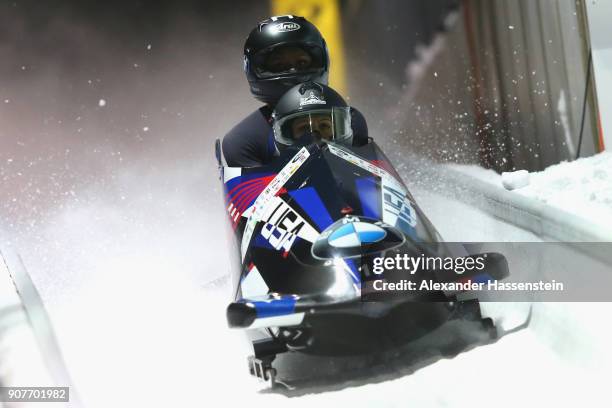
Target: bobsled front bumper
[(284, 311), (295, 310)]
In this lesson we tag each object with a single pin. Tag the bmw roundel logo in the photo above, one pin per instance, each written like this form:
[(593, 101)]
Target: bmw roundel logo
[(354, 236)]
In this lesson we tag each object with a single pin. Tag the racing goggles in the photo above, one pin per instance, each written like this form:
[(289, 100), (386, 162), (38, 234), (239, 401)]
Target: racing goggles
[(288, 60), (330, 125)]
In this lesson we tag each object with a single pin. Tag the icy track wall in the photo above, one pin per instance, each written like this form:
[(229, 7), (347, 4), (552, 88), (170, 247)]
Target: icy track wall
[(496, 83), (29, 353)]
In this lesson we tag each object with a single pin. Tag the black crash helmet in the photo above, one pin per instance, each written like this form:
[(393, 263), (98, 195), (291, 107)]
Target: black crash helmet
[(281, 52), (312, 109)]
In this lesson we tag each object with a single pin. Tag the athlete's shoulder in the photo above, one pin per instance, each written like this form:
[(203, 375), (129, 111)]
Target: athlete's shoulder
[(251, 124), (246, 142)]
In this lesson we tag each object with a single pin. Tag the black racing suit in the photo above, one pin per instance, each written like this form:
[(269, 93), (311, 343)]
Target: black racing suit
[(251, 142)]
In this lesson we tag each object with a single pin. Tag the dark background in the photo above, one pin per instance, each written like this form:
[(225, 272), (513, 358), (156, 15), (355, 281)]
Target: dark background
[(171, 76)]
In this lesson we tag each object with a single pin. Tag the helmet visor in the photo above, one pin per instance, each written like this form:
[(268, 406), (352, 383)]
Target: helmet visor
[(288, 60), (325, 125)]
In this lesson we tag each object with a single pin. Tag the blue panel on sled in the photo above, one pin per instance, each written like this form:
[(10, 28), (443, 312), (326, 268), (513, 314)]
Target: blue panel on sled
[(261, 242), (274, 307), (369, 197), (310, 201)]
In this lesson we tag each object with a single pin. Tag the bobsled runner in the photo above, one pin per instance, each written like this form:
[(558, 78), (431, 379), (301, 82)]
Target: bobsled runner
[(309, 227)]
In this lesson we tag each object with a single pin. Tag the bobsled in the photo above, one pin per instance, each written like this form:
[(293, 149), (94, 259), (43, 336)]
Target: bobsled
[(309, 228)]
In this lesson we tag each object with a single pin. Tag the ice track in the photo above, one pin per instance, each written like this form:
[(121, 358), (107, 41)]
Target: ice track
[(136, 289)]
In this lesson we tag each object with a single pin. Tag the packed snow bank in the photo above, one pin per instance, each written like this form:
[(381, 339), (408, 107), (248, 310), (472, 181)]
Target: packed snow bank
[(582, 187), (515, 179)]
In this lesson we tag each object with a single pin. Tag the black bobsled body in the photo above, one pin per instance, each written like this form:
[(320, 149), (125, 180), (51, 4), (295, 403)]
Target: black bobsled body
[(308, 227)]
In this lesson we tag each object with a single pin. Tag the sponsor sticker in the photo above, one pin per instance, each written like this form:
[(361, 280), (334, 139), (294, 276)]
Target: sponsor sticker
[(283, 225), (266, 197), (312, 99), (285, 27)]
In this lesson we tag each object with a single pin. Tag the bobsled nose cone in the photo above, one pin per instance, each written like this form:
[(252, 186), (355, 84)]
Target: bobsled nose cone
[(240, 315)]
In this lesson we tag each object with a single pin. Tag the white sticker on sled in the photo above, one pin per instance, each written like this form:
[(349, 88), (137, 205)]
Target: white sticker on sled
[(253, 284), (359, 162), (397, 206), (283, 225), (230, 173), (265, 198)]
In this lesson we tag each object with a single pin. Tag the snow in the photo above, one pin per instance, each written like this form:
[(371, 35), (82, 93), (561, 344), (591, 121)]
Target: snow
[(170, 334), (515, 179), (455, 221), (477, 172), (582, 187)]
